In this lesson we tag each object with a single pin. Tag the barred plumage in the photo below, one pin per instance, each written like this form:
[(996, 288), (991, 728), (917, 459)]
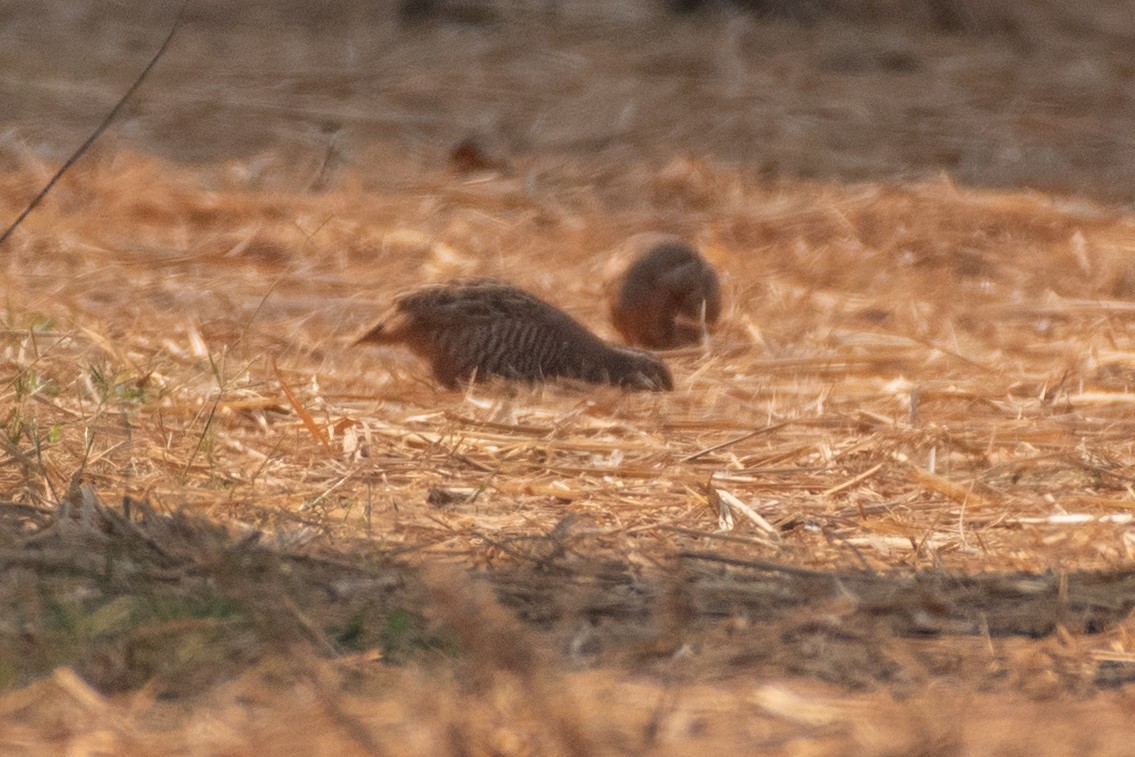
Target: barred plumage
[(473, 329), (667, 296)]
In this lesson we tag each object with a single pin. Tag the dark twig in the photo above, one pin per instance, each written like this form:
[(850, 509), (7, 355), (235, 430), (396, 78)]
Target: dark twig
[(97, 132)]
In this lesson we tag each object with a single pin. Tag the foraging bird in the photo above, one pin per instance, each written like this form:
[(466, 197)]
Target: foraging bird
[(667, 296), (471, 329)]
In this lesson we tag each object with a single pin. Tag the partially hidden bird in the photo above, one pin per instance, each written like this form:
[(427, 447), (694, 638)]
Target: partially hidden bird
[(474, 329), (668, 296)]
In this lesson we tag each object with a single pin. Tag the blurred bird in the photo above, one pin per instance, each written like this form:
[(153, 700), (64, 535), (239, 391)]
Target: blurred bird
[(472, 329), (668, 296)]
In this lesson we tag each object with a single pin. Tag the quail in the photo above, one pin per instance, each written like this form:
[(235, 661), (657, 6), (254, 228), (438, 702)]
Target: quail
[(472, 329), (667, 296)]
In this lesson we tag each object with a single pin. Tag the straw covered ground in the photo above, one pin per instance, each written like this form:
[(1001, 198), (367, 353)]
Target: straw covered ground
[(887, 509)]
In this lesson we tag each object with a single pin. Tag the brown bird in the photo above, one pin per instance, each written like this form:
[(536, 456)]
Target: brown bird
[(472, 329), (667, 296)]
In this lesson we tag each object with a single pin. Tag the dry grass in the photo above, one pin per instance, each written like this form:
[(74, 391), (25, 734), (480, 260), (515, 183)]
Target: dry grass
[(912, 374), (871, 401), (905, 333)]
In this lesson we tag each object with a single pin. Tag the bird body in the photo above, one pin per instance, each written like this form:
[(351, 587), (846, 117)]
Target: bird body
[(667, 296), (473, 329)]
